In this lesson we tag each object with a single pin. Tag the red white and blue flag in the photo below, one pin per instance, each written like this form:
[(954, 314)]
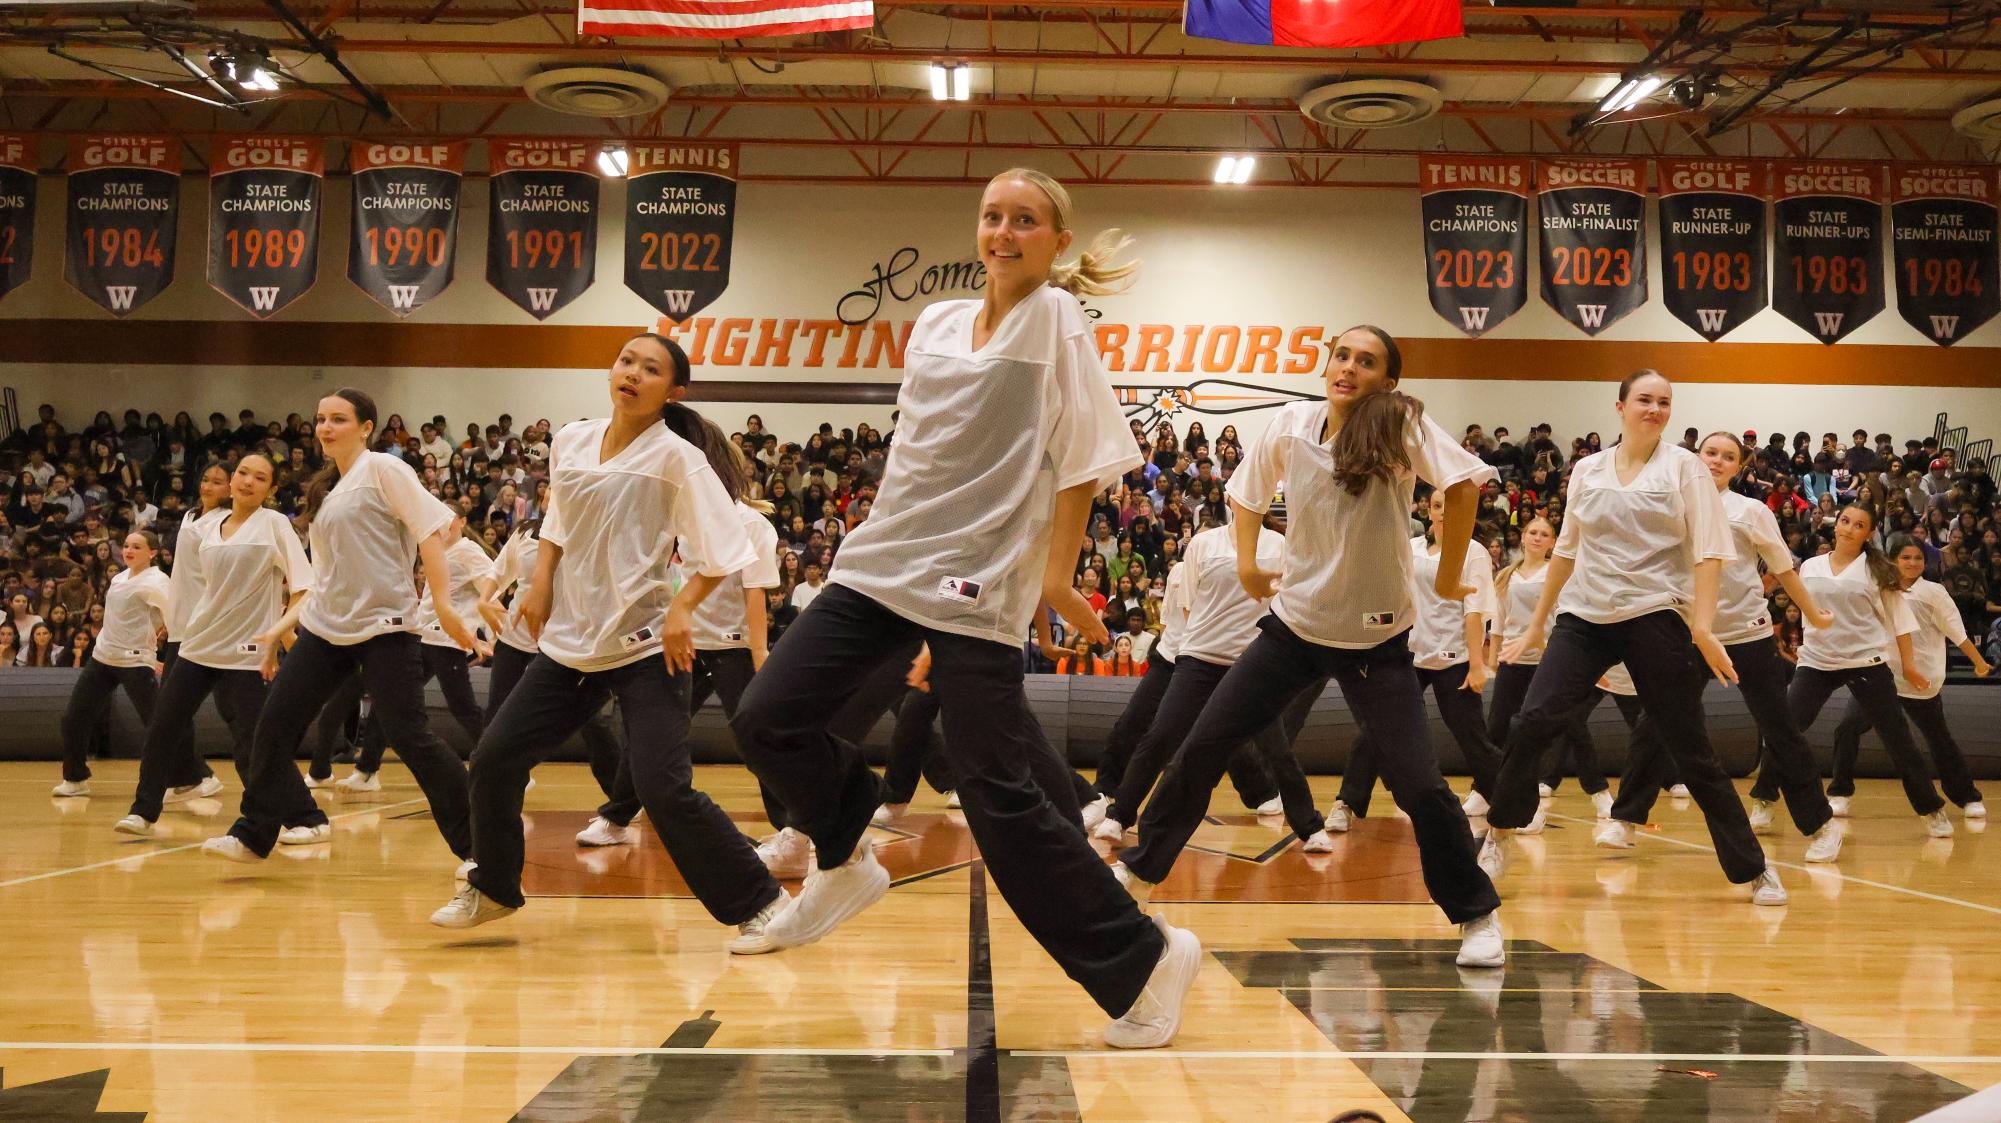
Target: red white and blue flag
[(720, 19), (1322, 23)]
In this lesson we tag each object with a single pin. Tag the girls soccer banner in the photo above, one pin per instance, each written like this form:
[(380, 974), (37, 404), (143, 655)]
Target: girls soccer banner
[(406, 221), (1713, 243), (17, 210), (1943, 229), (264, 219), (1476, 239), (1594, 239), (1827, 246), (680, 219), (542, 236), (124, 204)]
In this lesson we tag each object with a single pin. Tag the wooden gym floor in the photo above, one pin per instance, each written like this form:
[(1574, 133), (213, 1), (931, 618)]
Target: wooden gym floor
[(139, 980)]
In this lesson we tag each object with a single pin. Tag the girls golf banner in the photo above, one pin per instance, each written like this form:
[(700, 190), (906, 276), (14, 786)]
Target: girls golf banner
[(1476, 238), (1943, 225), (264, 219), (17, 210), (406, 221), (680, 219), (124, 205), (542, 233), (1827, 246), (1712, 243), (1594, 239)]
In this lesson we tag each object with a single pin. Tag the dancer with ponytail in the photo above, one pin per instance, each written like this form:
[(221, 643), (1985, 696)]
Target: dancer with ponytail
[(136, 607), (370, 519), (1004, 398), (623, 490), (1343, 609)]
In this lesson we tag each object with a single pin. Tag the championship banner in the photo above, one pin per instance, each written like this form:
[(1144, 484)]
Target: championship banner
[(1942, 223), (680, 219), (406, 221), (542, 236), (1594, 239), (124, 203), (1476, 238), (1827, 246), (264, 219), (1713, 243), (17, 210)]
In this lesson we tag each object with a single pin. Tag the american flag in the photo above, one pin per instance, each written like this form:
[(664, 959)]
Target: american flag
[(720, 19)]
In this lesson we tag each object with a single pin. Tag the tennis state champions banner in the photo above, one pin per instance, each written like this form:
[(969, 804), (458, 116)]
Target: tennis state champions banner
[(1827, 246), (1943, 230), (1594, 239), (264, 219), (1476, 238), (680, 220), (17, 210), (124, 204), (406, 221), (542, 233), (1712, 243)]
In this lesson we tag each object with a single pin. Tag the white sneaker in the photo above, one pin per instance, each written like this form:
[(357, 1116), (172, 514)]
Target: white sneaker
[(1156, 1013), (1142, 891), (1475, 804), (829, 897), (1540, 819), (1095, 811), (1976, 810), (604, 832), (318, 782), (133, 825), (1481, 943), (952, 800), (1602, 804), (1271, 807), (1825, 845), (305, 836), (1839, 804), (464, 871), (1110, 830), (1491, 859), (1613, 834), (1938, 825), (750, 938), (885, 815), (1761, 816), (1768, 889), (67, 789), (787, 854), (1319, 842), (208, 787), (231, 847), (469, 908), (1340, 819), (360, 782), (1679, 791), (1544, 791)]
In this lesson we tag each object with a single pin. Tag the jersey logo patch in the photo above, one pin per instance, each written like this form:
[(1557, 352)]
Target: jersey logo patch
[(1379, 619), (960, 588), (636, 638)]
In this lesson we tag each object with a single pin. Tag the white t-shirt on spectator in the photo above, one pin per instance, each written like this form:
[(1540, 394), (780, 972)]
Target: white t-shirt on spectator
[(364, 541), (135, 609), (241, 585), (1222, 617), (1636, 545), (804, 594), (439, 450), (1438, 631), (1867, 619), (720, 623)]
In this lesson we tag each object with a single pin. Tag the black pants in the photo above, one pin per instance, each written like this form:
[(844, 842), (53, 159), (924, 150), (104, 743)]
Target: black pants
[(914, 748), (1875, 689), (164, 762), (1789, 763), (1669, 675), (1509, 686), (1928, 714), (170, 653), (449, 665), (275, 794), (1133, 722), (1460, 710), (1195, 682), (1044, 867), (600, 743), (339, 725), (87, 702), (548, 704), (724, 674), (1381, 688)]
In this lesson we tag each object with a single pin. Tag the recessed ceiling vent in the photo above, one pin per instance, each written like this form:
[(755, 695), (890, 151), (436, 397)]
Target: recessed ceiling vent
[(1372, 104), (590, 91)]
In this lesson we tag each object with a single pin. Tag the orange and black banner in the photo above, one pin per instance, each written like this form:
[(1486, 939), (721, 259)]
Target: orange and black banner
[(1943, 230), (1476, 238), (680, 221), (1827, 246), (124, 205), (1713, 243), (1594, 239), (542, 225), (264, 219), (406, 221), (17, 210)]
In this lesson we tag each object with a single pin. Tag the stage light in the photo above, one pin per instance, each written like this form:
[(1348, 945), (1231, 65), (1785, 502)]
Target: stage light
[(1630, 93), (612, 162), (941, 83), (1245, 165), (962, 83), (1226, 169)]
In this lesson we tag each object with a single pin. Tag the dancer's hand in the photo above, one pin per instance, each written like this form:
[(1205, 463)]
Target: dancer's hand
[(1261, 584), (535, 609), (1820, 617), (1451, 589), (267, 663), (1476, 677), (1522, 646), (920, 670), (1918, 682), (1717, 658), (494, 615), (455, 628), (1078, 613), (1981, 667), (677, 638)]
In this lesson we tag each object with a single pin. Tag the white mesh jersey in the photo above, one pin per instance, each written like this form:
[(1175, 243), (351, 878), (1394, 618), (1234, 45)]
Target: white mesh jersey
[(1438, 633), (1636, 544), (515, 565), (1517, 608), (135, 608), (243, 581), (986, 439), (364, 541), (465, 563), (1347, 567), (1867, 619), (1222, 617), (1173, 613), (1742, 612), (616, 522), (1939, 625), (719, 620), (183, 582)]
